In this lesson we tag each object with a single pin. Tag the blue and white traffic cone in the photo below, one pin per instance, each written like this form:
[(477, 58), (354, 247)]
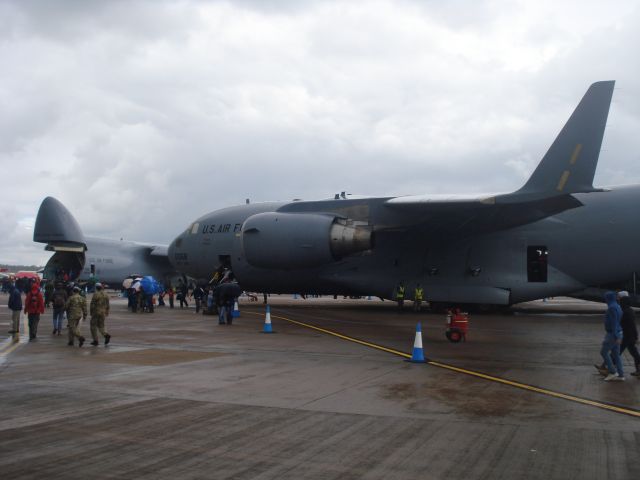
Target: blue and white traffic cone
[(235, 313), (418, 353), (267, 321)]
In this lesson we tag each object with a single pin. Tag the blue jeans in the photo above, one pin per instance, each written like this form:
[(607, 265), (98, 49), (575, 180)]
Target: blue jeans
[(57, 319), (222, 314), (611, 351)]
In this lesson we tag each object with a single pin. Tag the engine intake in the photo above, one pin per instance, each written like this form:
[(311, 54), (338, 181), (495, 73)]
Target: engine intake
[(301, 240)]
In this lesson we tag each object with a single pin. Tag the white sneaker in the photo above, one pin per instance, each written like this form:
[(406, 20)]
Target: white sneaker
[(619, 378), (609, 377)]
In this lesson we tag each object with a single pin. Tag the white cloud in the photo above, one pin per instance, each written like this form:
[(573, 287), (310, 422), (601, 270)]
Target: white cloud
[(140, 116)]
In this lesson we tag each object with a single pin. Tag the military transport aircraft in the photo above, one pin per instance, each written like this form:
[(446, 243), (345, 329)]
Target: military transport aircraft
[(81, 258), (557, 235)]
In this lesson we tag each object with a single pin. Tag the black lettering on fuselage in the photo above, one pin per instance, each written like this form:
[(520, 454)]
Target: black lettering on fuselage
[(226, 228), (206, 229)]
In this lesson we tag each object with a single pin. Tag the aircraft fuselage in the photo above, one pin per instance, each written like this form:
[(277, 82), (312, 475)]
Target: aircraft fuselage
[(557, 255)]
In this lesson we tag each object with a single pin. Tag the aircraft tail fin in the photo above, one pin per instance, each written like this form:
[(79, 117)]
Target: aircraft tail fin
[(56, 226), (570, 163)]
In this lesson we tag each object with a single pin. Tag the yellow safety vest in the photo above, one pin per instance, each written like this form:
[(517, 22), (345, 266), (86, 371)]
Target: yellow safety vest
[(400, 293), (419, 293)]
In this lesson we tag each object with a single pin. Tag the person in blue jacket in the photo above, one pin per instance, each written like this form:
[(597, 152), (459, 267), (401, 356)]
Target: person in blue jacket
[(15, 305), (610, 350)]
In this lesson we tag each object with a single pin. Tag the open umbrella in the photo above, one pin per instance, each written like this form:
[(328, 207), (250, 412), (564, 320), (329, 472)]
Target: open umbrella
[(229, 290), (33, 275), (150, 285)]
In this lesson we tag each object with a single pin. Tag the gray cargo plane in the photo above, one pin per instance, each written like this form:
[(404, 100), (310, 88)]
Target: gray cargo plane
[(110, 261), (557, 235)]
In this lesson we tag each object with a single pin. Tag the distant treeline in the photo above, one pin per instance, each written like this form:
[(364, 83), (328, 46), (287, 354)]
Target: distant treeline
[(18, 268)]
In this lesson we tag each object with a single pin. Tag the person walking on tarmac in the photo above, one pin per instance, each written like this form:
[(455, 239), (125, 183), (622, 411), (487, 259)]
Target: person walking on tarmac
[(629, 330), (183, 292), (418, 296), (15, 305), (59, 301), (34, 307), (170, 293), (48, 292), (99, 310), (198, 294), (76, 309), (400, 295), (610, 350)]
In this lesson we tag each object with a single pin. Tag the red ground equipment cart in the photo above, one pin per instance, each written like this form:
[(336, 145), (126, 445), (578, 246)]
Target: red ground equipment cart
[(457, 325)]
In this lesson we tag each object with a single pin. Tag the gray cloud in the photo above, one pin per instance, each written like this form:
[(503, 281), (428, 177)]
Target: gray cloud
[(141, 116)]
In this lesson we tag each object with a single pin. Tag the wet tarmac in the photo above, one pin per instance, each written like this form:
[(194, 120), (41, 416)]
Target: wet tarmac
[(178, 396)]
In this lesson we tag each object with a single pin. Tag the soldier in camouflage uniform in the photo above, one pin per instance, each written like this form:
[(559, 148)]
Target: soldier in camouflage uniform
[(99, 309), (76, 308)]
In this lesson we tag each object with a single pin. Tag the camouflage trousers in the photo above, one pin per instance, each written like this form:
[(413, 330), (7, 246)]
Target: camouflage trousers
[(97, 325), (74, 329)]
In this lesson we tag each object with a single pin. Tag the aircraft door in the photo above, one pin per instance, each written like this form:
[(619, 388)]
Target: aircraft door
[(537, 263)]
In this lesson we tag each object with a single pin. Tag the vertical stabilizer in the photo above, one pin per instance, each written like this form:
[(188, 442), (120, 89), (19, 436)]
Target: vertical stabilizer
[(56, 226), (570, 164)]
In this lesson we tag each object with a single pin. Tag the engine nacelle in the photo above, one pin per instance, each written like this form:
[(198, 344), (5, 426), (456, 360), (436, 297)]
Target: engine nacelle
[(301, 240)]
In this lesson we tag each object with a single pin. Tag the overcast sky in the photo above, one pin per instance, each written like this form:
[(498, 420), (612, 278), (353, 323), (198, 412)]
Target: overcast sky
[(142, 115)]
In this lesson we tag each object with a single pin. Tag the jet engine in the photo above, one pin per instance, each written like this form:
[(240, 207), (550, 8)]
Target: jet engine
[(301, 240)]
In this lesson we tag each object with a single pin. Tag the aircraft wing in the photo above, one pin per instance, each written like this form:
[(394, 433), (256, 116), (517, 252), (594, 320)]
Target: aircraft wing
[(480, 215), (568, 167)]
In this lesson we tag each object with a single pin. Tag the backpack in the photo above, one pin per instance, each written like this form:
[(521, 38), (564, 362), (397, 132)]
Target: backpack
[(58, 301)]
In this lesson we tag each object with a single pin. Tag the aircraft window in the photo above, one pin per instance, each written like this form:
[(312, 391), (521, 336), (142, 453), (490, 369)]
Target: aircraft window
[(537, 257), (194, 228)]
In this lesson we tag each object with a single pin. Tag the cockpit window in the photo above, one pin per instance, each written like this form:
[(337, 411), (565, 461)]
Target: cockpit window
[(194, 228)]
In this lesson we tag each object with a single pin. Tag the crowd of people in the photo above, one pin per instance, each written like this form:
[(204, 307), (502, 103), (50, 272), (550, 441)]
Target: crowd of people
[(219, 298), (66, 299), (211, 299)]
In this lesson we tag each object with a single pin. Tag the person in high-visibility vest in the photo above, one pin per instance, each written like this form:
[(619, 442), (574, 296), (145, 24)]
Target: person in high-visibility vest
[(418, 296), (400, 295)]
